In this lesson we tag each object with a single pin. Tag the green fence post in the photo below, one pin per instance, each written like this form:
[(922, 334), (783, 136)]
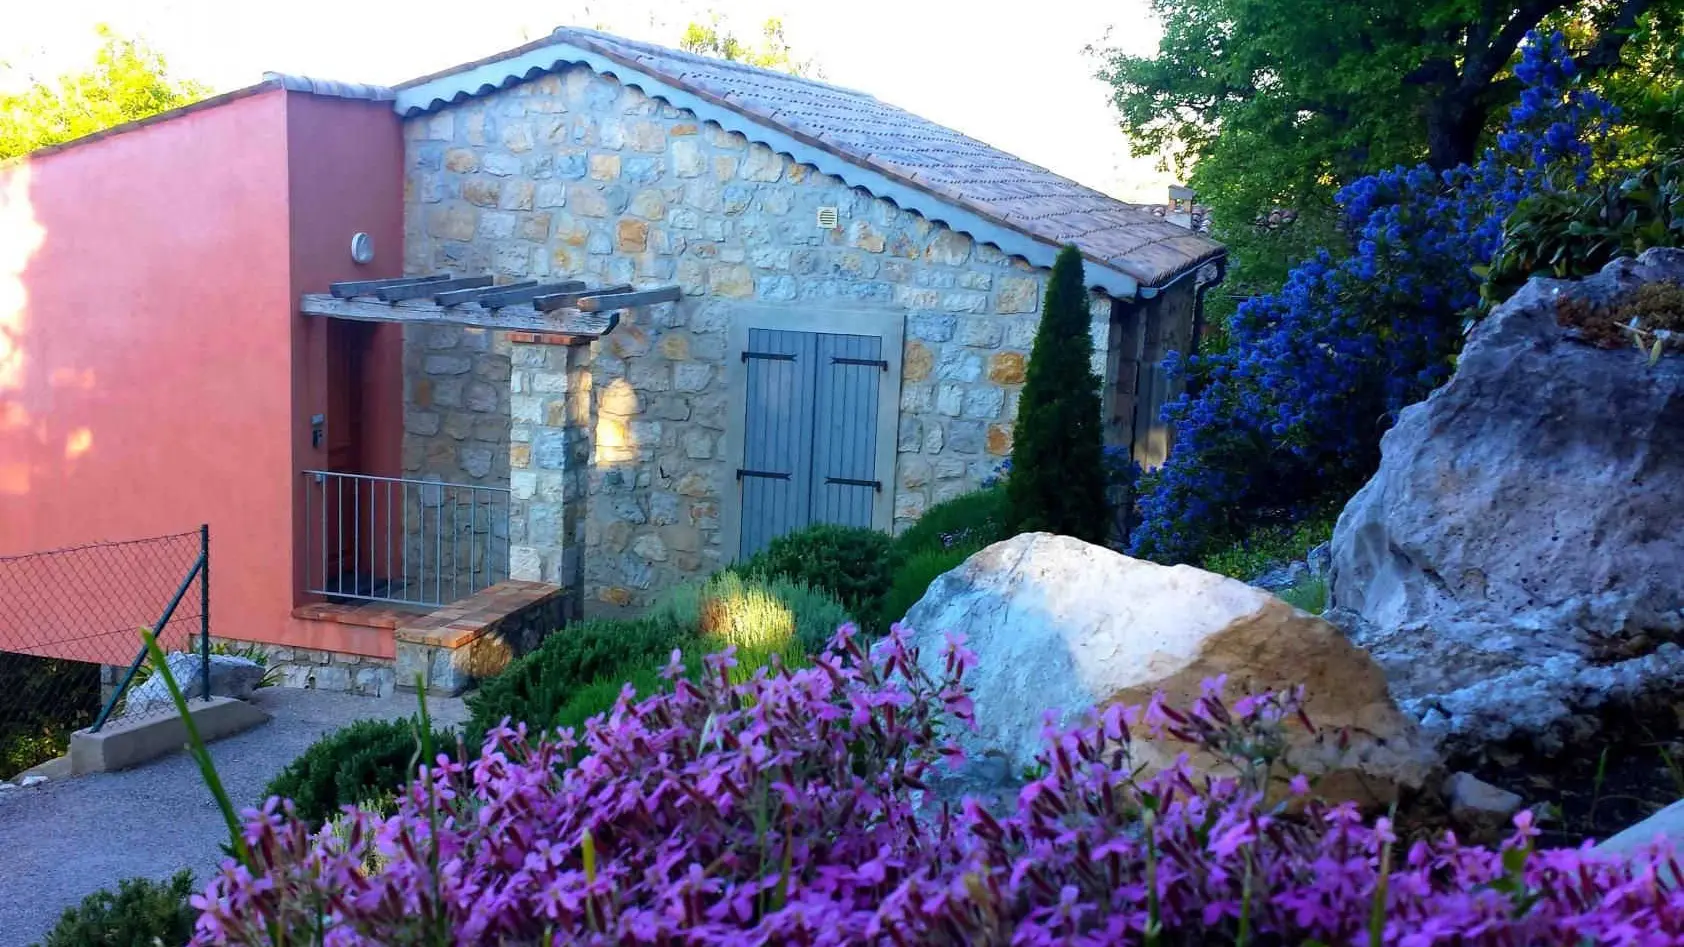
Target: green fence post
[(204, 607)]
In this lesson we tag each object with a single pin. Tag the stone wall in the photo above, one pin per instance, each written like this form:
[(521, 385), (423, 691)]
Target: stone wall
[(456, 404), (323, 670), (617, 448), (456, 430)]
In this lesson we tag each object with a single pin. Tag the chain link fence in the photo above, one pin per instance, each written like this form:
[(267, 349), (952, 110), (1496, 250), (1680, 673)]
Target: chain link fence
[(71, 652)]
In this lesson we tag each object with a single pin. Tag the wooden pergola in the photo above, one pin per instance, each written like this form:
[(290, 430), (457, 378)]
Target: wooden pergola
[(568, 309)]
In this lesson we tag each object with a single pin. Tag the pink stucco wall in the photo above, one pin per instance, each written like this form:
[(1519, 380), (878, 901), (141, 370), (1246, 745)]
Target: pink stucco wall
[(154, 372)]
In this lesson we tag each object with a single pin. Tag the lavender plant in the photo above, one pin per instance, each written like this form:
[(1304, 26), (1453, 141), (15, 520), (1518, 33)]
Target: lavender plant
[(791, 809)]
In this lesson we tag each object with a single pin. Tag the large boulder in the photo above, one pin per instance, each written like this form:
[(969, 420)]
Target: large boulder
[(1517, 562), (230, 676), (1061, 625)]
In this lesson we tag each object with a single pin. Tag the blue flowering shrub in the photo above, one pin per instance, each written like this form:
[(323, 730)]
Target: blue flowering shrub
[(1290, 414)]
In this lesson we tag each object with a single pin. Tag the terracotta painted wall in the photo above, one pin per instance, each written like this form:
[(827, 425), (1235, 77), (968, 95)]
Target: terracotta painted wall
[(346, 164), (147, 388), (152, 365)]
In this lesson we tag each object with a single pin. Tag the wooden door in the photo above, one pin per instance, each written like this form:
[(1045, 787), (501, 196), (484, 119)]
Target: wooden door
[(348, 345), (348, 504)]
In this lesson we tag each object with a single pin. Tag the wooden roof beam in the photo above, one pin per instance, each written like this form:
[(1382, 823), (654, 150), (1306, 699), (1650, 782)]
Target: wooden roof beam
[(362, 287), (457, 297), (606, 300), (429, 288), (571, 300), (582, 326), (510, 296)]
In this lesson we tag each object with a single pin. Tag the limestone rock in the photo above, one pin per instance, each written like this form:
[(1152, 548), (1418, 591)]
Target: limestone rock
[(1479, 805), (230, 676), (32, 780), (1665, 827), (1514, 563), (1061, 625)]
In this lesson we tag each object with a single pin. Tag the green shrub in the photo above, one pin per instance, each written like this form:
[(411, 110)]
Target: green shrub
[(975, 519), (1573, 233), (600, 695), (1309, 595), (1058, 478), (916, 574), (364, 764), (48, 699), (534, 688), (1269, 546), (578, 671), (759, 615), (140, 913), (853, 563)]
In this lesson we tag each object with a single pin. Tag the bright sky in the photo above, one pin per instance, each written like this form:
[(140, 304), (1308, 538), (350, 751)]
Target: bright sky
[(1008, 72)]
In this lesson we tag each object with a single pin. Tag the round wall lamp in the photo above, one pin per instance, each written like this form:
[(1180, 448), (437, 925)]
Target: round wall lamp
[(362, 247)]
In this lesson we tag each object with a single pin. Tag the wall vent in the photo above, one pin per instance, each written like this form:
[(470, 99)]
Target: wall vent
[(828, 218)]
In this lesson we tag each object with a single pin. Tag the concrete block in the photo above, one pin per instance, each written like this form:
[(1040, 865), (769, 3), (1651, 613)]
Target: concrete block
[(125, 743)]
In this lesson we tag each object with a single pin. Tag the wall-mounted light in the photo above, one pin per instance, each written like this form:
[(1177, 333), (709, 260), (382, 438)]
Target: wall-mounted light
[(362, 248)]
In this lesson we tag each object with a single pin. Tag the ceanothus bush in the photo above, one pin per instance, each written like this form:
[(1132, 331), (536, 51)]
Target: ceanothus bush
[(792, 809), (1291, 412)]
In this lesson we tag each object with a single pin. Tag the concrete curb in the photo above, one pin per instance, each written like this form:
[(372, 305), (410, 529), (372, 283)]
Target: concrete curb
[(126, 743)]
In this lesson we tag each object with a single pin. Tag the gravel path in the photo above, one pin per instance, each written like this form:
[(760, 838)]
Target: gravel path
[(68, 838)]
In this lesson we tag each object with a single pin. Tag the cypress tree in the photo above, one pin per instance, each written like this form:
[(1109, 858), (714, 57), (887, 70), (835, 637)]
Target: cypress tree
[(1057, 483)]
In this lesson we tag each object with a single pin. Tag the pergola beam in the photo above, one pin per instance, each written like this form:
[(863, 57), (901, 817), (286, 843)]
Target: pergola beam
[(564, 308), (363, 287), (424, 289), (579, 325), (649, 297), (479, 295), (572, 300)]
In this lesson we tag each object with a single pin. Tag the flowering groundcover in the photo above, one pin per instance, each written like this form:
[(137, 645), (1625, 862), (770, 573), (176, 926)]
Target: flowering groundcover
[(793, 809)]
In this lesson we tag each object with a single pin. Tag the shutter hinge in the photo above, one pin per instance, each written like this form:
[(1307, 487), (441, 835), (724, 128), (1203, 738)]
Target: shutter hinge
[(770, 356), (878, 362), (850, 482), (767, 474)]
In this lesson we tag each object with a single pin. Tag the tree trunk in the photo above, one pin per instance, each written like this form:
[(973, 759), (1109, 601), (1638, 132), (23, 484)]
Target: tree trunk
[(1454, 124)]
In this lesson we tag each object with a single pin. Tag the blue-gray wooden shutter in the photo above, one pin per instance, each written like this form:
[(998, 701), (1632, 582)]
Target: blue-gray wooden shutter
[(810, 432), (845, 482), (777, 436)]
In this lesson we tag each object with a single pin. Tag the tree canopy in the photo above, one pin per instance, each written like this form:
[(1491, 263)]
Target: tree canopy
[(773, 52), (1270, 103), (128, 80)]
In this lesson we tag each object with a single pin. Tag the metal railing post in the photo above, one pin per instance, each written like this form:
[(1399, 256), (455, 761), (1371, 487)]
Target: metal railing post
[(413, 589), (163, 622), (204, 607)]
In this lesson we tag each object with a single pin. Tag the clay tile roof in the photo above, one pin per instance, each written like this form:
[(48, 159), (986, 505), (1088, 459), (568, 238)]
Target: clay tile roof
[(1199, 215), (954, 168)]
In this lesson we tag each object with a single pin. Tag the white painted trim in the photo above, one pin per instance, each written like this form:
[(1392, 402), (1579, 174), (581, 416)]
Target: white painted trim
[(888, 326), (489, 77)]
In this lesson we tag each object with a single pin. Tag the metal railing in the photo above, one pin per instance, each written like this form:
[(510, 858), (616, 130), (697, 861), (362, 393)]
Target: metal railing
[(403, 541)]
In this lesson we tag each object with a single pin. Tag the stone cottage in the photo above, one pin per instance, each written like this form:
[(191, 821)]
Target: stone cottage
[(543, 334), (861, 292)]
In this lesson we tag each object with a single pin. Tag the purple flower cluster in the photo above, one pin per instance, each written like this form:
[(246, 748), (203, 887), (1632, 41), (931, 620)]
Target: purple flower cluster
[(792, 809), (1294, 408)]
